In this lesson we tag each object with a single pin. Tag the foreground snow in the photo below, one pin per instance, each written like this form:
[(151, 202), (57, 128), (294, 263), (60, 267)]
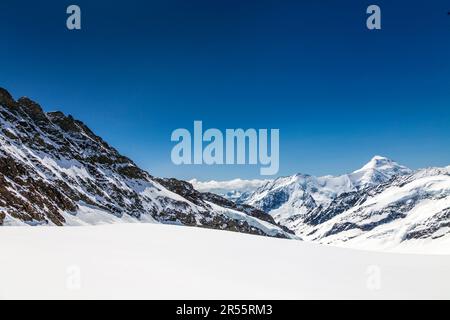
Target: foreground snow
[(169, 262)]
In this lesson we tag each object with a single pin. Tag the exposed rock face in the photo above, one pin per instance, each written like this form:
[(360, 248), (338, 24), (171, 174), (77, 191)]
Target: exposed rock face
[(55, 171)]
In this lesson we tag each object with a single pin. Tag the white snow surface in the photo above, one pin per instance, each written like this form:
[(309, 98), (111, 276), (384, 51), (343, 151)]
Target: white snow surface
[(151, 261)]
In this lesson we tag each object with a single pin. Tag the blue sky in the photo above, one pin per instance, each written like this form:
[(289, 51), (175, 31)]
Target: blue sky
[(338, 92)]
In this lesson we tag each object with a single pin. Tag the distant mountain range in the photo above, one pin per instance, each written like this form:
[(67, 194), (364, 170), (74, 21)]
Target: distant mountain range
[(55, 171), (234, 190), (300, 194), (381, 205)]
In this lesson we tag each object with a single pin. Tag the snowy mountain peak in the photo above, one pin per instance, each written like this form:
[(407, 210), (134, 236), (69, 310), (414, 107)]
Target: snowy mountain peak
[(383, 203), (382, 164), (301, 194), (377, 161), (4, 95), (378, 170)]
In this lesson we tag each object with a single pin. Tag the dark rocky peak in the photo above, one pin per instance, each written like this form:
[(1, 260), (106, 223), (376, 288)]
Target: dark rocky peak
[(70, 125), (87, 131), (6, 99), (66, 123), (182, 188), (32, 109), (55, 115), (5, 95), (179, 184), (77, 128)]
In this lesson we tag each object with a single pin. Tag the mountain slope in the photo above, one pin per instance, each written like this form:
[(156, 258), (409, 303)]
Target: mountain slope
[(55, 171)]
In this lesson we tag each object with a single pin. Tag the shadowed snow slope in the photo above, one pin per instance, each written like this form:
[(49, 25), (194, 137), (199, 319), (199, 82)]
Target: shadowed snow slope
[(169, 262)]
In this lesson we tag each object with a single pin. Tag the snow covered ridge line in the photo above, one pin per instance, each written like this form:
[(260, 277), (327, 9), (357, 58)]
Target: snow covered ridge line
[(383, 205), (55, 171)]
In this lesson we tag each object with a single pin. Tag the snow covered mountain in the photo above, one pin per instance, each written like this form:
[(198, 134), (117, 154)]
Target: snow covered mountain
[(382, 204), (408, 208), (300, 194), (55, 171)]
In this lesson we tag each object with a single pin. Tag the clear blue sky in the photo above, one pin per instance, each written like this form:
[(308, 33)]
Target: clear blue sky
[(338, 93)]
